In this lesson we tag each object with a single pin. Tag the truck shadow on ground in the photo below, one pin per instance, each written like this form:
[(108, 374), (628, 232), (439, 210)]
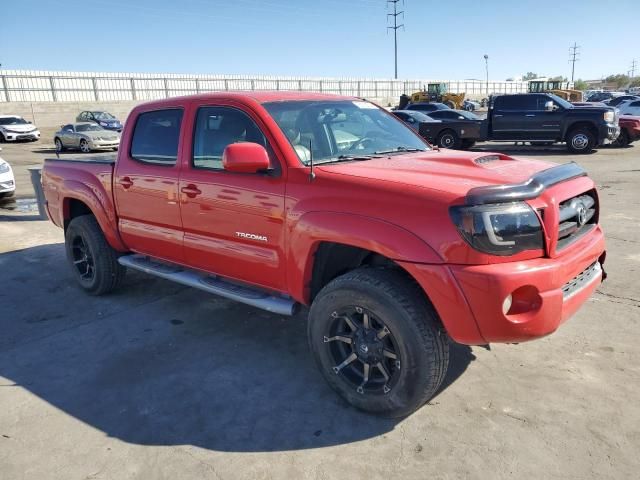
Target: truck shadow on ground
[(525, 150), (161, 364)]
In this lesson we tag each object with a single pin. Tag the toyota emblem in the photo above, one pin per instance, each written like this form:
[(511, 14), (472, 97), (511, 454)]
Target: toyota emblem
[(582, 214)]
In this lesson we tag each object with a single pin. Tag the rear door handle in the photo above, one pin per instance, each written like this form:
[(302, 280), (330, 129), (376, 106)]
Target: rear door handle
[(126, 182), (498, 115), (191, 190)]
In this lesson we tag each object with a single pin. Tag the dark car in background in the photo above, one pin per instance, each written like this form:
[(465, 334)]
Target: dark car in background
[(614, 102), (104, 119), (446, 133), (451, 114), (427, 106)]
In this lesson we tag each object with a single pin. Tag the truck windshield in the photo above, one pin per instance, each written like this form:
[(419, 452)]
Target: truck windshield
[(561, 101), (342, 130)]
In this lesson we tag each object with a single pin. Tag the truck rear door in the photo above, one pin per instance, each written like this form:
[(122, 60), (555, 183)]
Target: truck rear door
[(233, 222), (146, 180), (508, 117)]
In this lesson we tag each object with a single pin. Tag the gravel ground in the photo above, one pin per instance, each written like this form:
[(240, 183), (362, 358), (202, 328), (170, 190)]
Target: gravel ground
[(161, 381)]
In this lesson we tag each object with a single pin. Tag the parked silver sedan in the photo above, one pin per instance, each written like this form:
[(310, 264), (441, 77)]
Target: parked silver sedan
[(85, 136)]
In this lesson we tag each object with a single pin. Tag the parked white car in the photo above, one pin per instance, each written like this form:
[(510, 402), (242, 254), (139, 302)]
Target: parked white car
[(630, 107), (7, 180), (13, 127)]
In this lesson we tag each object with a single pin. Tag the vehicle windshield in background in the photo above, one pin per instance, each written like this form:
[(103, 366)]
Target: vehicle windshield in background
[(13, 121), (88, 128), (468, 115), (420, 117), (341, 130), (103, 116)]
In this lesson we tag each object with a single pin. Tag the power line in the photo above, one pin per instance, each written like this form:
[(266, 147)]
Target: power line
[(633, 68), (395, 28), (573, 54)]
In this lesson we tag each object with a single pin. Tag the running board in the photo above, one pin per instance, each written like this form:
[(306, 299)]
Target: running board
[(255, 297)]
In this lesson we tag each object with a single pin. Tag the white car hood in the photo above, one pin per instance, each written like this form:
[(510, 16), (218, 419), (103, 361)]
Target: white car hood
[(20, 128)]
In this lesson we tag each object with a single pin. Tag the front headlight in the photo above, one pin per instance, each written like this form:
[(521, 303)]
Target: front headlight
[(609, 116), (502, 229), (4, 167), (104, 124)]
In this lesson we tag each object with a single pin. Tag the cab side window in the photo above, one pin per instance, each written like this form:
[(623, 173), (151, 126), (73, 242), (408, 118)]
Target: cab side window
[(156, 137), (218, 127)]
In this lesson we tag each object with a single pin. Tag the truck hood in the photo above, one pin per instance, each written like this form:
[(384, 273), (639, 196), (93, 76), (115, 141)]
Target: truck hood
[(451, 171)]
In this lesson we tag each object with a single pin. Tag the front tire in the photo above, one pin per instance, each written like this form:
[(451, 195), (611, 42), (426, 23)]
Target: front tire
[(84, 146), (449, 139), (378, 341), (93, 261), (623, 140), (581, 140), (59, 145)]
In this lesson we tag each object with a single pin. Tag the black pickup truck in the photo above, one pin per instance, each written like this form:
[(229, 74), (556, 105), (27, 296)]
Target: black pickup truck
[(547, 118)]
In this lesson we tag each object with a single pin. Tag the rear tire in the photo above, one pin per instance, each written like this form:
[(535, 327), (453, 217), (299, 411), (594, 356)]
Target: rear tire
[(581, 140), (413, 349), (623, 140), (449, 139), (92, 260)]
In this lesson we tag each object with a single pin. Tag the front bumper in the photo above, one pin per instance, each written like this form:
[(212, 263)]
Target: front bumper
[(7, 182), (16, 136), (546, 292), (608, 133), (99, 144)]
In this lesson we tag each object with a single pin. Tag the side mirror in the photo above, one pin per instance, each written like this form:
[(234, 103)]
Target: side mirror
[(548, 106), (245, 157)]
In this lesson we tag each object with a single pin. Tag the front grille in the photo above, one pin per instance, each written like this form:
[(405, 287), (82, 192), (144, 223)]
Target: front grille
[(581, 280), (577, 216)]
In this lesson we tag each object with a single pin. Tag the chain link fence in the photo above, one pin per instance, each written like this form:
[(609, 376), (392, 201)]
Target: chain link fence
[(39, 86)]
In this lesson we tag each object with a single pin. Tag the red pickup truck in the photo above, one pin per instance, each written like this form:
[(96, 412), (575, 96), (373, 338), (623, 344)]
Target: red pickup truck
[(282, 199)]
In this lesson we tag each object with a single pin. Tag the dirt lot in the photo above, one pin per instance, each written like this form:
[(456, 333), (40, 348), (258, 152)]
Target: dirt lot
[(162, 381)]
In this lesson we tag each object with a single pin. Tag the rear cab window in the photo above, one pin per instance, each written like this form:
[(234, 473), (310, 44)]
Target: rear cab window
[(156, 136)]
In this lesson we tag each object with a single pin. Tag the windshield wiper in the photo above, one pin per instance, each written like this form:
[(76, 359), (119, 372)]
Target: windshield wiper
[(402, 149), (348, 158)]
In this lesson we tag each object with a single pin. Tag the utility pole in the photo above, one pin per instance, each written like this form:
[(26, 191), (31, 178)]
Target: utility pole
[(486, 66), (634, 64), (395, 28), (573, 54)]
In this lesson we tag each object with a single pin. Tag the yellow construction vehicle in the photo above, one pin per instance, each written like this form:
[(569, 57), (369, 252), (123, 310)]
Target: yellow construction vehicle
[(556, 87), (437, 92)]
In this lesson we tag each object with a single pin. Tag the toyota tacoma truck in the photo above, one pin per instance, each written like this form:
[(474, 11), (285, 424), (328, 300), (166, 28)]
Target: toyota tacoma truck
[(289, 199), (545, 118)]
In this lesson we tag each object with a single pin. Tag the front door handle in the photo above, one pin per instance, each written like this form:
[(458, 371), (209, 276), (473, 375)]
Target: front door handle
[(191, 191), (498, 115), (126, 182), (530, 115)]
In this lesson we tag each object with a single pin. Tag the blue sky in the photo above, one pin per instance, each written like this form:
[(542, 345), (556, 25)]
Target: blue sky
[(445, 40)]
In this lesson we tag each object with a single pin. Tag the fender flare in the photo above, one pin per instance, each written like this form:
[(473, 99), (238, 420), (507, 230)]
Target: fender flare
[(100, 205), (369, 233)]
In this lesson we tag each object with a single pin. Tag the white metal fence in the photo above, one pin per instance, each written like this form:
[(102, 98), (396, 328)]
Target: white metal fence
[(53, 86)]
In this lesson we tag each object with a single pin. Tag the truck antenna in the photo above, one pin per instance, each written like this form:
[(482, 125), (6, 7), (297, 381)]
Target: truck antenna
[(312, 174)]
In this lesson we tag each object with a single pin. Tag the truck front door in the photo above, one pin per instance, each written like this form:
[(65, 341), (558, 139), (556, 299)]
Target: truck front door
[(145, 184), (540, 123), (233, 222)]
